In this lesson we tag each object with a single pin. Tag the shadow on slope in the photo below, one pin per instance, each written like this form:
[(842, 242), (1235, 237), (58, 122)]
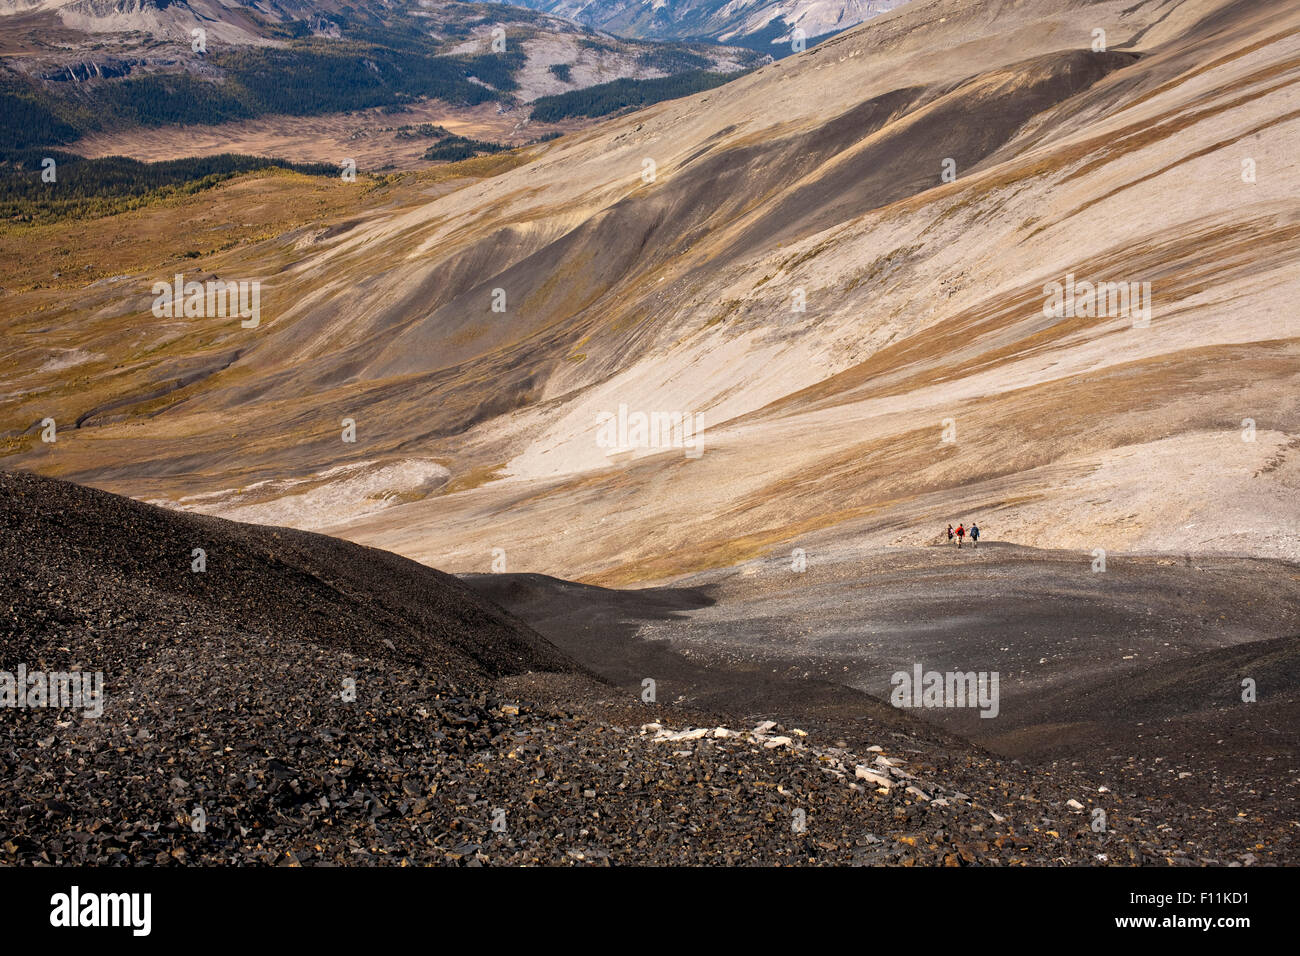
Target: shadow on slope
[(1186, 705), (777, 191), (605, 630)]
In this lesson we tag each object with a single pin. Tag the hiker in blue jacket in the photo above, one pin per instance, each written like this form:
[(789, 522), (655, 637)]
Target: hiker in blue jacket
[(975, 534)]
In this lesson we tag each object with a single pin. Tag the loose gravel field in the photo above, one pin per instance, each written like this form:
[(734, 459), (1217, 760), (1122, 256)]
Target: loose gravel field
[(306, 701)]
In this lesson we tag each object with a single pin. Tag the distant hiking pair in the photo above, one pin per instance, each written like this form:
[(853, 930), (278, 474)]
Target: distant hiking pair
[(961, 533)]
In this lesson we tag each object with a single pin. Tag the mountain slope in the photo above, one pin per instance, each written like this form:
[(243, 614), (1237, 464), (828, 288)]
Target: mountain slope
[(767, 25), (822, 176), (305, 701), (83, 567)]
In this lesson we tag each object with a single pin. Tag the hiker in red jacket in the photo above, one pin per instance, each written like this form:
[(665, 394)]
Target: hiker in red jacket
[(961, 533)]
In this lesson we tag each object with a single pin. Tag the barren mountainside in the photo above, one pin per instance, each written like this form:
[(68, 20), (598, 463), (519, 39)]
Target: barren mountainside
[(302, 701), (683, 399), (840, 265)]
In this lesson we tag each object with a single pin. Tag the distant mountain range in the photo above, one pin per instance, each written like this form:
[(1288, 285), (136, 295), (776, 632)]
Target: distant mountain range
[(758, 24), (69, 68)]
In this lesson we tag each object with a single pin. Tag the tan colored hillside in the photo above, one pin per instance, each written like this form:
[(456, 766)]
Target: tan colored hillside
[(924, 303)]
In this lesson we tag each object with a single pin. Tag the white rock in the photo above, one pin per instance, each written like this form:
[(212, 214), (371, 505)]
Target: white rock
[(1074, 804), (777, 742), (676, 735), (863, 772)]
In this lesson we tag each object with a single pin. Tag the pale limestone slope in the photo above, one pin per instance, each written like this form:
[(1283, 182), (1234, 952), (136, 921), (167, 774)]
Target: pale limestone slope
[(1149, 190), (924, 303)]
